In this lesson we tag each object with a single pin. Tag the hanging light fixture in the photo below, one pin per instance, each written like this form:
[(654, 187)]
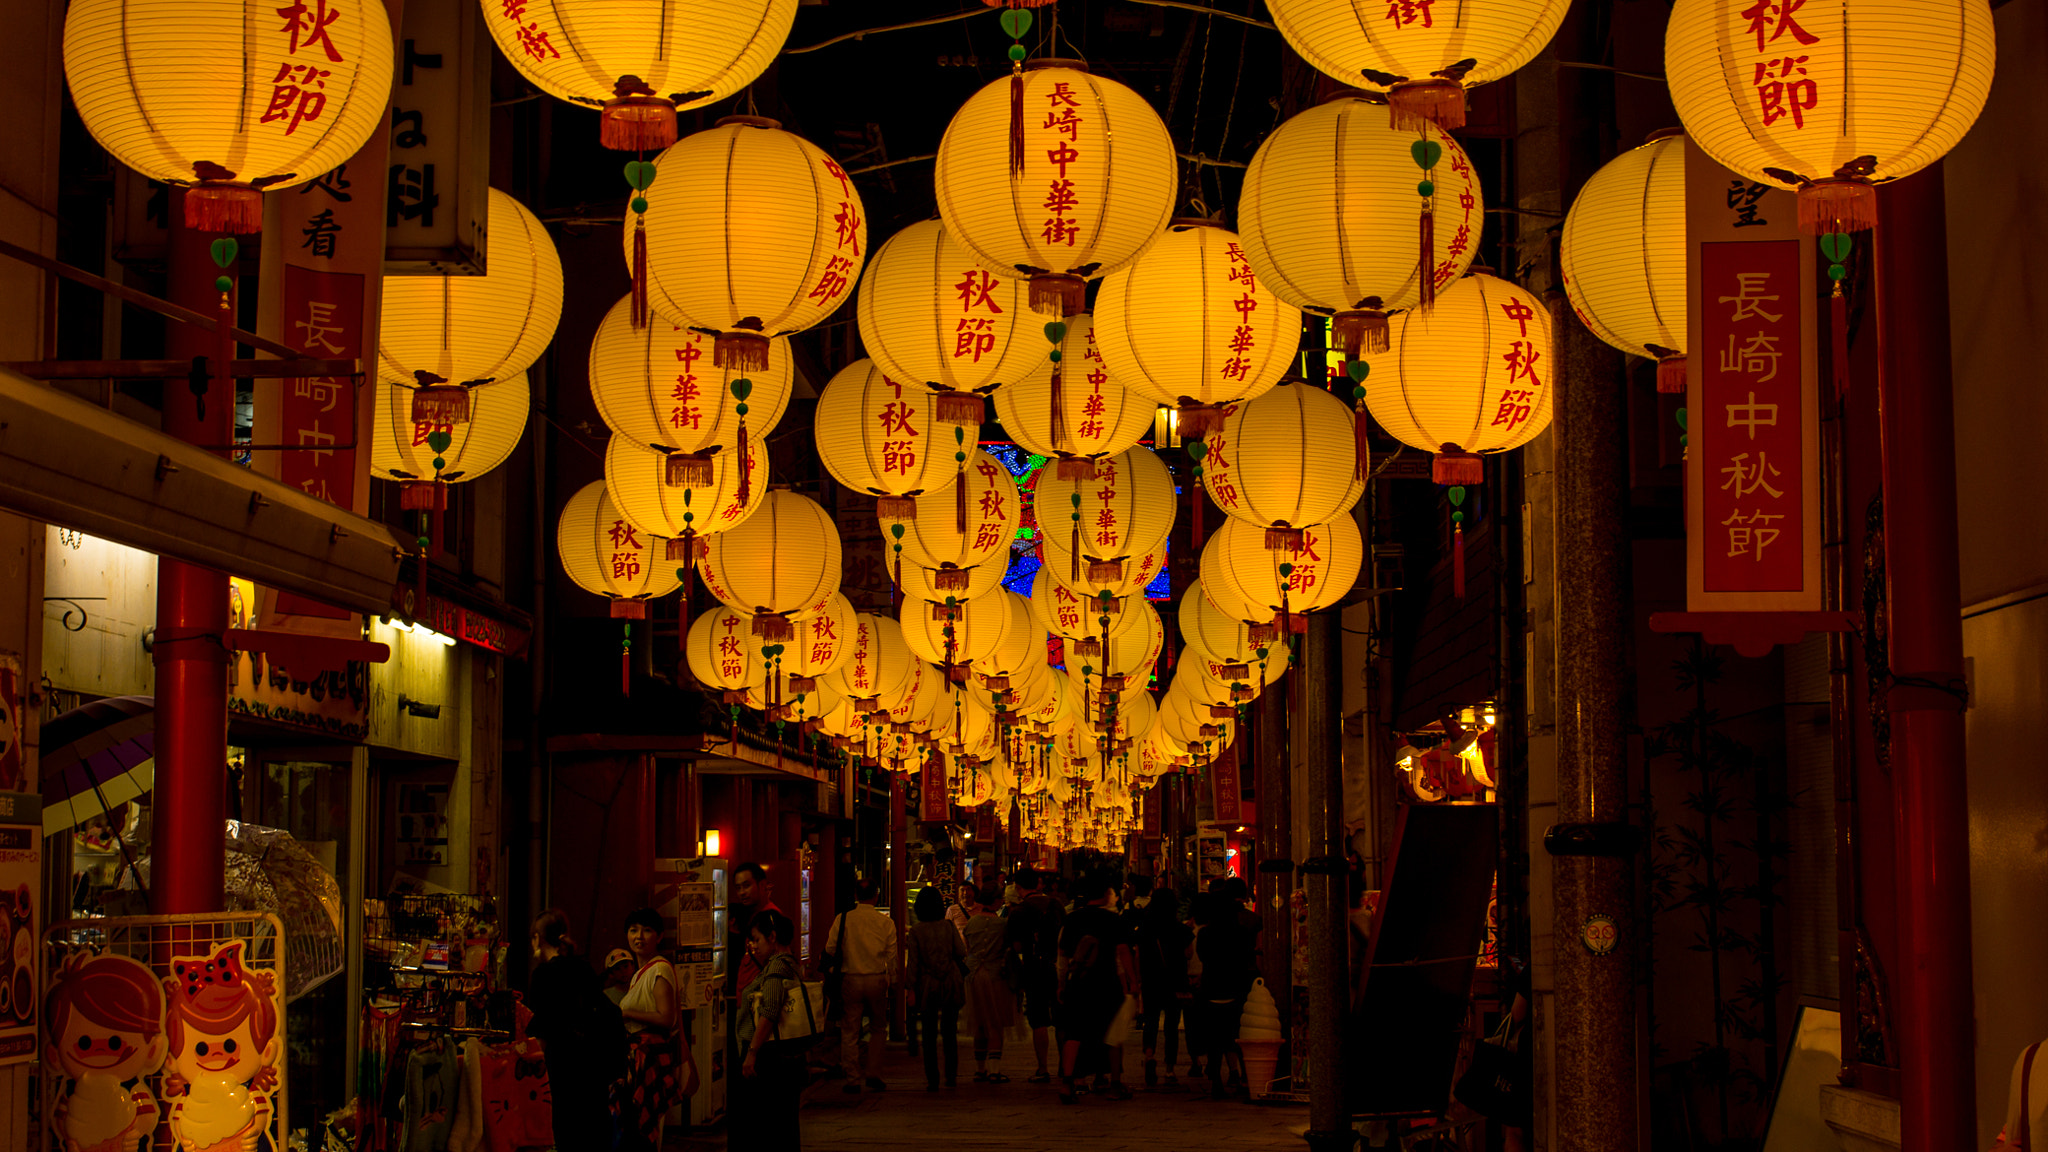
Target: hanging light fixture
[(782, 562), (1244, 578), (882, 437), (1114, 518), (1623, 255), (985, 498), (1285, 459), (1096, 416)]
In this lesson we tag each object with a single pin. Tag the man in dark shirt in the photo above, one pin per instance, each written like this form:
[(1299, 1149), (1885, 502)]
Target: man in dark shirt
[(1033, 933), (1097, 970)]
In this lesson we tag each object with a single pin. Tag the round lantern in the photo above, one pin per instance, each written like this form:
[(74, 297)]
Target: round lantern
[(1078, 413), (445, 335), (930, 314), (1134, 578), (955, 634), (1058, 175), (882, 437), (228, 98), (750, 233), (785, 704), (1422, 59), (1468, 378), (1210, 633), (639, 63), (638, 482), (1073, 614), (606, 555), (1285, 459), (880, 666), (1189, 324), (403, 449), (1329, 217), (1194, 725), (1829, 100), (1246, 579), (920, 696), (723, 656), (918, 584), (1021, 647), (1623, 256), (1113, 518), (823, 644), (1125, 659), (983, 498), (656, 387), (779, 563), (1216, 682)]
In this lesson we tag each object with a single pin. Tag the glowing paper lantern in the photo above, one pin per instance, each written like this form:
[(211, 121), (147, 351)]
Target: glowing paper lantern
[(1125, 658), (751, 233), (880, 666), (1623, 256), (606, 555), (1285, 459), (228, 98), (403, 449), (656, 387), (1113, 518), (1469, 378), (1210, 633), (1058, 175), (723, 656), (1329, 218), (823, 644), (929, 313), (1190, 324), (638, 482), (446, 334), (920, 696), (1421, 56), (1244, 578), (918, 584), (984, 498), (1135, 576), (639, 63), (882, 437), (1075, 615), (1021, 647), (1090, 416), (1829, 100), (780, 562), (955, 634)]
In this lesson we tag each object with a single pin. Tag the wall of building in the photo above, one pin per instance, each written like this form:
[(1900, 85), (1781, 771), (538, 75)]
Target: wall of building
[(100, 609)]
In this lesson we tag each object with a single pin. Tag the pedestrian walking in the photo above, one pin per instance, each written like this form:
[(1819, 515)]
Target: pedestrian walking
[(762, 1115), (991, 1001), (1162, 943), (1033, 932), (934, 960), (1097, 972), (863, 941), (580, 1035)]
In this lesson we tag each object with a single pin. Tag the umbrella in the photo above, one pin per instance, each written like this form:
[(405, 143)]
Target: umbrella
[(95, 757), (269, 871)]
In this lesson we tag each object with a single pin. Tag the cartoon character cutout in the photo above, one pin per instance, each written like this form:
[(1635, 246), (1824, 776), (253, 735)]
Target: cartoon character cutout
[(104, 1018), (224, 1046)]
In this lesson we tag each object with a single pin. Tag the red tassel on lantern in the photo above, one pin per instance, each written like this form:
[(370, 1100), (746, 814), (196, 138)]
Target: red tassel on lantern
[(1450, 466), (229, 209), (1425, 102), (1425, 271), (1195, 512), (440, 404), (1362, 443), (640, 273), (1842, 203), (960, 500), (740, 351), (687, 470), (1016, 120), (637, 120), (1362, 329), (896, 507)]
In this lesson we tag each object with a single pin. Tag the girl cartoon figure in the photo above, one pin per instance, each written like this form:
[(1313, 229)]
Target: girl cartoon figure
[(105, 1020), (222, 1026)]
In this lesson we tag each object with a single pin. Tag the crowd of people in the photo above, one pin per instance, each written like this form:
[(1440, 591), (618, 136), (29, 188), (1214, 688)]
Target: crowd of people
[(1081, 962)]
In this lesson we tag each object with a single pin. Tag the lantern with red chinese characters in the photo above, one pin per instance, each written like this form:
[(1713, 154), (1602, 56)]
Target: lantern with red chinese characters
[(1334, 221), (1130, 580), (781, 562), (423, 456), (823, 645), (1058, 175), (754, 233), (639, 63), (881, 436), (724, 656), (1623, 255), (607, 556), (1829, 101), (229, 98), (1286, 459), (655, 387), (1020, 648), (638, 481), (1423, 60), (1075, 615), (1244, 578), (446, 335), (1210, 633), (955, 632), (1469, 378), (880, 666), (930, 314), (1113, 518), (984, 497), (916, 582), (1125, 659), (1091, 417), (1190, 324)]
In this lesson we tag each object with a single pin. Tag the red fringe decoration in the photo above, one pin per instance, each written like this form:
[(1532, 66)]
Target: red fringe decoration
[(731, 697), (1458, 560), (944, 611), (998, 684), (951, 579), (231, 209), (960, 502), (1426, 271), (1834, 205), (1838, 340), (1068, 292), (1361, 442), (637, 124), (1112, 684), (1236, 671), (1196, 421), (1454, 467), (1296, 623), (953, 407), (740, 351), (688, 470), (423, 495), (896, 589), (440, 404), (626, 664), (1671, 375), (803, 685), (1074, 577), (957, 673), (1074, 468), (1415, 106), (1089, 648), (1281, 538), (1016, 121), (1105, 571), (640, 274), (682, 549), (772, 628), (1361, 330), (896, 507), (629, 609)]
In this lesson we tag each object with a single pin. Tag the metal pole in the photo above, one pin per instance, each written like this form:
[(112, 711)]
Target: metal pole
[(1329, 991), (1275, 845), (189, 813), (1932, 991)]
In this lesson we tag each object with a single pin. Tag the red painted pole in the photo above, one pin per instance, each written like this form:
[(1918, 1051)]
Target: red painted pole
[(189, 810), (1932, 997)]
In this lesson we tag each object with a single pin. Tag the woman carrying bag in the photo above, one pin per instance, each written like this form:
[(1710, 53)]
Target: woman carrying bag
[(773, 1074), (660, 1070), (933, 959)]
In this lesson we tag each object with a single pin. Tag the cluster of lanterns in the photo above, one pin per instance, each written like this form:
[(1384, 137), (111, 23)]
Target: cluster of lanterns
[(1361, 211)]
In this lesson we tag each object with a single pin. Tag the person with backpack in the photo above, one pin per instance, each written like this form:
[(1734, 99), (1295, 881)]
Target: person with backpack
[(766, 1096), (660, 1069), (580, 1036), (933, 958)]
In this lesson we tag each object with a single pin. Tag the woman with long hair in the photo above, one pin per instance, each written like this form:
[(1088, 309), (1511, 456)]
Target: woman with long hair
[(562, 995), (660, 1070), (933, 956), (769, 1089), (992, 1003)]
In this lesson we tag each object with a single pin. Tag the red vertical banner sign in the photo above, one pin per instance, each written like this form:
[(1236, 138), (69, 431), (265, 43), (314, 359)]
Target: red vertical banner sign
[(933, 804), (1229, 789), (985, 823), (1753, 523), (1152, 801)]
